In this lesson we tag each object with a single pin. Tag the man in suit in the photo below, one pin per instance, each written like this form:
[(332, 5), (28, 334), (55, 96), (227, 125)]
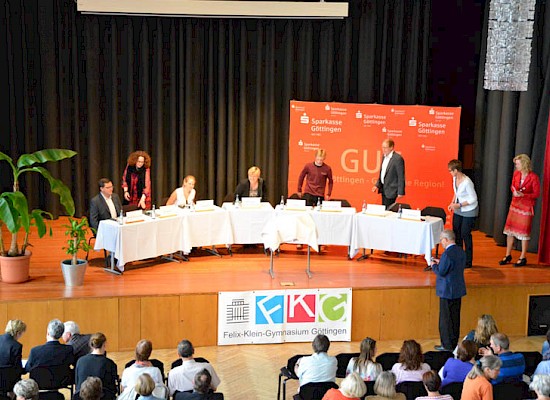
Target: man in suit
[(80, 343), (450, 288), (52, 353), (391, 182), (105, 205)]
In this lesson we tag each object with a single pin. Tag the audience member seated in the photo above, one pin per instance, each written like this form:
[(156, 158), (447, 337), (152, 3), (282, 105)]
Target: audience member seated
[(541, 386), (145, 386), (91, 389), (456, 369), (141, 366), (546, 347), (352, 387), (182, 378), (543, 368), (513, 364), (80, 343), (319, 367), (26, 390), (254, 186), (10, 348), (184, 195), (432, 383), (410, 366), (364, 365), (98, 365), (52, 353), (477, 385), (486, 326), (202, 388), (384, 387)]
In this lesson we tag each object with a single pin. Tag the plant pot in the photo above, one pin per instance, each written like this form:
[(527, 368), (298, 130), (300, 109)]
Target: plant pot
[(15, 269), (74, 274)]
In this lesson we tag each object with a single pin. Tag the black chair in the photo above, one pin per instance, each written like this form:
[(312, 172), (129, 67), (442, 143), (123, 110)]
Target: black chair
[(395, 206), (343, 361), (437, 359), (435, 212), (314, 390), (191, 395), (154, 362), (52, 378), (386, 360), (229, 198), (411, 390), (9, 376), (370, 388), (453, 389), (510, 391), (178, 362), (287, 373), (532, 359)]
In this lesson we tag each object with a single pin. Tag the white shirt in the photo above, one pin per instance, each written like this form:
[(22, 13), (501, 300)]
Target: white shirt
[(180, 197), (385, 163), (465, 192), (130, 375), (111, 205), (182, 378), (318, 367)]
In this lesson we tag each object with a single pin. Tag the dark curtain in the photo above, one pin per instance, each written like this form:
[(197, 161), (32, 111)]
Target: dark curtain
[(207, 97), (511, 123)]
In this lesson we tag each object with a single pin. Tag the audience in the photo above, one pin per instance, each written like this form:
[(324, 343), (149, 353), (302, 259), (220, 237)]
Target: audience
[(477, 385), (52, 353), (352, 387), (410, 366), (543, 368), (201, 388), (72, 337), (91, 389), (142, 365), (546, 347), (432, 383), (182, 378), (486, 326), (26, 390), (319, 367), (10, 348), (384, 387), (364, 365), (541, 386), (456, 369), (513, 364), (98, 365), (145, 386)]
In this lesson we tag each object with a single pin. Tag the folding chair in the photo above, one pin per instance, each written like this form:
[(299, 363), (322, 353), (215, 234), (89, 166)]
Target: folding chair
[(314, 390), (9, 376), (435, 212), (532, 359), (52, 378), (437, 359), (386, 360), (453, 389), (287, 372), (343, 361), (411, 390)]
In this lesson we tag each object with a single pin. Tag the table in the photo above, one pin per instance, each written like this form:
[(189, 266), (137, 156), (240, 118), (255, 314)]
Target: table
[(206, 228), (392, 234), (334, 227), (247, 224)]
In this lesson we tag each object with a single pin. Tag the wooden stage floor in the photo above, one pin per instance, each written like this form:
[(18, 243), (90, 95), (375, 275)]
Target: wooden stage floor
[(248, 269)]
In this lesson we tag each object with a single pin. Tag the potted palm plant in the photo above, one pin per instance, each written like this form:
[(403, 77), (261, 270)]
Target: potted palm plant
[(16, 216), (74, 269)]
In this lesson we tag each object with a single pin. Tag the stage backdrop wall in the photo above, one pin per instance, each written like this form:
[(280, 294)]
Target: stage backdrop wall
[(352, 134)]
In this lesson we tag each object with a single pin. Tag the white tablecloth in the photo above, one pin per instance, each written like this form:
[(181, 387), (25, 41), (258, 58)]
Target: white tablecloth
[(334, 227), (140, 240), (247, 224), (206, 228), (290, 227), (392, 234)]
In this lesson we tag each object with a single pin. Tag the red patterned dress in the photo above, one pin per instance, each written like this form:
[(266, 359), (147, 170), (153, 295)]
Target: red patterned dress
[(520, 214)]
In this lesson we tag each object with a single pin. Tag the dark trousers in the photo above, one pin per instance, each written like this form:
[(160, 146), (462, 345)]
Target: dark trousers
[(449, 322), (388, 201), (462, 227), (311, 199)]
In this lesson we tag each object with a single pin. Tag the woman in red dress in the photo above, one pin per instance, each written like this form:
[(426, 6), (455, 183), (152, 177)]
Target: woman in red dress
[(136, 180), (525, 191)]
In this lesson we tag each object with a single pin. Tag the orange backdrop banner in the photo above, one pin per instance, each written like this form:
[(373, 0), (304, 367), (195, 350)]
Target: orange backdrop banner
[(352, 135)]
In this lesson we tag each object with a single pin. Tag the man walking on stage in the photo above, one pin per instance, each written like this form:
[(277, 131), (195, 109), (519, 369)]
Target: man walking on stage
[(391, 183), (450, 288)]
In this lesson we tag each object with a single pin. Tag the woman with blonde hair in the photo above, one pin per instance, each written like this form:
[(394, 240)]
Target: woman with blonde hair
[(411, 365), (477, 385), (364, 365), (10, 348), (525, 191), (384, 387), (254, 186), (352, 387), (481, 335), (136, 180), (145, 386), (184, 195)]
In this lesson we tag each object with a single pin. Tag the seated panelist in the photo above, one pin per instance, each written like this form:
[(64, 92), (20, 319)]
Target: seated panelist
[(106, 205), (184, 195), (254, 186)]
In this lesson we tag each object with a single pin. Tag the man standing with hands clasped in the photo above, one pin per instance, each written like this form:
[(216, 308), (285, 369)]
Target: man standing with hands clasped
[(450, 288), (391, 182)]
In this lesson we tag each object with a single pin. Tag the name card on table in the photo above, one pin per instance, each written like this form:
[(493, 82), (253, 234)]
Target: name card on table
[(334, 205), (251, 202), (376, 209), (296, 204), (134, 214), (410, 214), (167, 211), (204, 205)]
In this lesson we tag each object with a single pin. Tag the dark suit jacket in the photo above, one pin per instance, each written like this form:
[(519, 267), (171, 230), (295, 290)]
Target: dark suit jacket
[(80, 344), (50, 354), (394, 180), (10, 352), (100, 211), (450, 283), (243, 189)]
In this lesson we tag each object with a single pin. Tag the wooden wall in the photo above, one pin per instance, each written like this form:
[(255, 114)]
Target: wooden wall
[(384, 314)]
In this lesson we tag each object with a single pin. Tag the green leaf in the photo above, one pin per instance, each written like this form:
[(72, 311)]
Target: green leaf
[(38, 218), (18, 210), (57, 187), (5, 157), (7, 214), (42, 156)]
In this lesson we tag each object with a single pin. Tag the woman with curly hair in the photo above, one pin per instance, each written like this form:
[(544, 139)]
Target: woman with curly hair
[(411, 365), (136, 180)]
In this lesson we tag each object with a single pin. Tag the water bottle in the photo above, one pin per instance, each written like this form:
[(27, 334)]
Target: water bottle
[(320, 204), (153, 212), (399, 212), (364, 208), (282, 202), (120, 218), (237, 201), (192, 206)]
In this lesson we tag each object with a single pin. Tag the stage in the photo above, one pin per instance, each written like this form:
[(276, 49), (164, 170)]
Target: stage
[(393, 298)]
